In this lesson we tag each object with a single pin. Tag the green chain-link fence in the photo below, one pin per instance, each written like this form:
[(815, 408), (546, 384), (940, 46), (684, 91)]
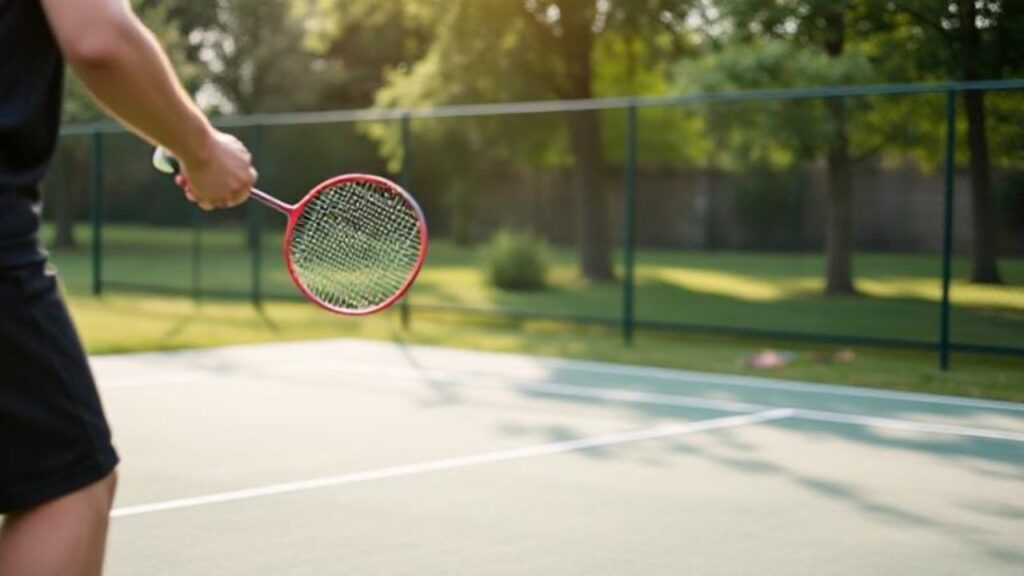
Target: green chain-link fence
[(704, 213)]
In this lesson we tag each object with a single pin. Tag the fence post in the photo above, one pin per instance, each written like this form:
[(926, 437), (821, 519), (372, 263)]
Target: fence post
[(406, 181), (256, 226), (947, 227), (97, 212), (628, 225), (197, 239)]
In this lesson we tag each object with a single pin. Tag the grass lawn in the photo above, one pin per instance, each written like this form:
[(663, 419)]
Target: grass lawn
[(122, 323), (768, 291)]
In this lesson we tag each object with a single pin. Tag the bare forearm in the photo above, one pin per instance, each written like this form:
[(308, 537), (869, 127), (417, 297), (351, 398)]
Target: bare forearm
[(129, 75)]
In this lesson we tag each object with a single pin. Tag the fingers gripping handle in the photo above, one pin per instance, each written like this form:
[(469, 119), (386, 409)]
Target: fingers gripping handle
[(165, 162)]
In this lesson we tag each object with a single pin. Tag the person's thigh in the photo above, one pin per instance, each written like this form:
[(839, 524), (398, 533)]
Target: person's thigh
[(65, 535), (54, 438)]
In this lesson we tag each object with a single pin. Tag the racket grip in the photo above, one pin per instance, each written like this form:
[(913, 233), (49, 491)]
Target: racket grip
[(165, 162)]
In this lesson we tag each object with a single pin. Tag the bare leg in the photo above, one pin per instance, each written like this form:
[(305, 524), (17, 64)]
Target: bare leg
[(62, 537)]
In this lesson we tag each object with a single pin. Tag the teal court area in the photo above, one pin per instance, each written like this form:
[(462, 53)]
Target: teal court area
[(353, 457)]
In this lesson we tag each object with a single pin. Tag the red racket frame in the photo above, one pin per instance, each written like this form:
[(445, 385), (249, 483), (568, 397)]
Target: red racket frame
[(294, 212)]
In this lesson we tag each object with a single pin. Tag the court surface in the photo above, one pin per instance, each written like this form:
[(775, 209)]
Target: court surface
[(354, 457)]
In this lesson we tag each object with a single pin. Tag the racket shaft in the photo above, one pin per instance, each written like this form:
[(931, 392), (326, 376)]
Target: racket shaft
[(271, 202)]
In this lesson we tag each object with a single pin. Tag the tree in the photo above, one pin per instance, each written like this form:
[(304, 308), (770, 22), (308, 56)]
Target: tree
[(286, 55), (766, 142), (968, 40), (362, 40), (252, 52), (821, 25), (541, 49)]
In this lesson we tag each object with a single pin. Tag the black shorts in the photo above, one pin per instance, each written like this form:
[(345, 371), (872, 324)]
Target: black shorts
[(54, 438)]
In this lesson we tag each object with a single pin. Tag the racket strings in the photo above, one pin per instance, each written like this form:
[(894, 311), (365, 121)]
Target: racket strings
[(355, 245)]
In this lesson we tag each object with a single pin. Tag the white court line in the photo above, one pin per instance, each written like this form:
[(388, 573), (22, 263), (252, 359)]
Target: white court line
[(459, 462)]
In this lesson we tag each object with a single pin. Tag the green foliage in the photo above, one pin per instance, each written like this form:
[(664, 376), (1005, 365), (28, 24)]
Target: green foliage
[(252, 50), (356, 44), (934, 38), (478, 55), (777, 133), (667, 136), (532, 50), (937, 41), (517, 261), (510, 51)]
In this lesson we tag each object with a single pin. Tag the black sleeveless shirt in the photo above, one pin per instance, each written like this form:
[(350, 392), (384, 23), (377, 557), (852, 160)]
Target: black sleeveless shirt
[(31, 88)]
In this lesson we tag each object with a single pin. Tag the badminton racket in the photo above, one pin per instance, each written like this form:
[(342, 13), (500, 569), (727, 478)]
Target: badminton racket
[(353, 245)]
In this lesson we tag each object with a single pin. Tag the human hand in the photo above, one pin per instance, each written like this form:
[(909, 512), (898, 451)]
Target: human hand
[(219, 176)]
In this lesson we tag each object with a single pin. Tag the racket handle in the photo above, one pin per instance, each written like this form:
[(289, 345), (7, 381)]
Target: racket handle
[(165, 162)]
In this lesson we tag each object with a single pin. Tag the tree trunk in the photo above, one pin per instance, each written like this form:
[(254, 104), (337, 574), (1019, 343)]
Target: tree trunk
[(591, 199), (984, 266), (838, 208), (585, 138)]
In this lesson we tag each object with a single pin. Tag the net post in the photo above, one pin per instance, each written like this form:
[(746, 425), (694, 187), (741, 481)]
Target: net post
[(628, 227), (256, 228), (947, 229), (96, 185), (196, 257), (406, 179)]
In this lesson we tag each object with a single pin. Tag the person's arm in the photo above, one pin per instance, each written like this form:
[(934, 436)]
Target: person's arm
[(123, 66)]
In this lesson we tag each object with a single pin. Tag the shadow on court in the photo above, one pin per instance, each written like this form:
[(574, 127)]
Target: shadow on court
[(513, 465)]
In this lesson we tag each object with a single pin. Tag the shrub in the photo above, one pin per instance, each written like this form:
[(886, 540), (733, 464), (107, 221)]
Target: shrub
[(517, 261)]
